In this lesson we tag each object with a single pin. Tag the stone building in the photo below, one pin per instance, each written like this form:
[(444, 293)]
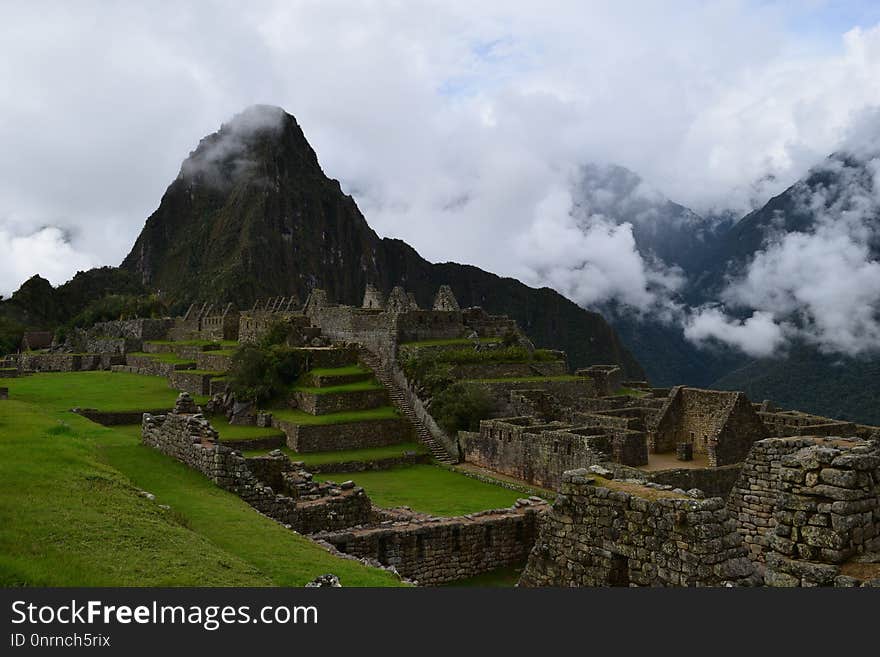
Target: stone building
[(719, 425)]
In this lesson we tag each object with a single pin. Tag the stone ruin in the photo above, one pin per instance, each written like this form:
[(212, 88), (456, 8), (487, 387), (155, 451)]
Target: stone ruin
[(425, 549), (805, 511), (719, 425)]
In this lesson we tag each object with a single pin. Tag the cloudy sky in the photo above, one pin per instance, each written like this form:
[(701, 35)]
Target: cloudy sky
[(456, 125)]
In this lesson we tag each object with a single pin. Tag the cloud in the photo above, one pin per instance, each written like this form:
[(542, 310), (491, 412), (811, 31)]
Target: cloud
[(821, 284), (46, 252), (591, 258), (223, 156), (759, 335)]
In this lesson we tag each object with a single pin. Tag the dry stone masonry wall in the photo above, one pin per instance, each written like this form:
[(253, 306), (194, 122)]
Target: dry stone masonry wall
[(607, 533), (301, 503)]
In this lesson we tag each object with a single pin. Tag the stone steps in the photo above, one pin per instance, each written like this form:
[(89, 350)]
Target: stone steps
[(401, 402)]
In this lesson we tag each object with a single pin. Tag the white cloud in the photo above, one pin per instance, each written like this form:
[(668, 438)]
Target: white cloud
[(590, 258), (46, 252), (821, 284), (759, 335)]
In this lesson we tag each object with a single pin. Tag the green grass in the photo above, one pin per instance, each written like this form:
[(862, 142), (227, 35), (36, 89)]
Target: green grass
[(348, 370), (71, 515), (358, 386), (105, 391), (365, 454), (528, 379), (241, 432), (429, 489), (501, 577), (630, 392), (346, 417), (171, 358), (442, 343)]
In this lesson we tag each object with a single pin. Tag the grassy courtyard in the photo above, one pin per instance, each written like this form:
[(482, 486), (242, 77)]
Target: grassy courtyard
[(430, 489), (106, 391), (301, 417), (71, 513)]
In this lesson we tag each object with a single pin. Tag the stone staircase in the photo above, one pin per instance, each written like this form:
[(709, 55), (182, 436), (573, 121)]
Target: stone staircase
[(400, 401)]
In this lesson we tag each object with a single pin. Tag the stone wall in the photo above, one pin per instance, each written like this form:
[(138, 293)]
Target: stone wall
[(568, 392), (115, 418), (137, 329), (105, 345), (607, 533), (795, 423), (538, 454), (434, 551), (417, 325), (508, 370), (329, 402), (59, 362), (352, 435), (210, 361), (303, 504), (753, 497), (827, 516), (153, 367), (195, 383), (406, 458)]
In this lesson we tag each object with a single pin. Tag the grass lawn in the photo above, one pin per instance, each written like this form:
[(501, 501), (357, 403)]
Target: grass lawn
[(429, 489), (366, 454), (301, 417), (449, 341), (502, 577), (71, 515), (358, 386), (105, 391), (529, 379), (630, 392), (241, 432)]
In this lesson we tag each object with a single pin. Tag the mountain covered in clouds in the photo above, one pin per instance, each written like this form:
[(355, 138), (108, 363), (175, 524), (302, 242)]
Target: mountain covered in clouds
[(251, 214), (782, 303), (663, 230)]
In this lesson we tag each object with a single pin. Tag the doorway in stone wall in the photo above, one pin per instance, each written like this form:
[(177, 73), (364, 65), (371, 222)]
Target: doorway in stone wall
[(618, 573)]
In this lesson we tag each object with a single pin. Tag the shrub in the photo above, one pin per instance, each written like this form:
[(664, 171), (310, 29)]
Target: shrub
[(460, 407), (263, 373)]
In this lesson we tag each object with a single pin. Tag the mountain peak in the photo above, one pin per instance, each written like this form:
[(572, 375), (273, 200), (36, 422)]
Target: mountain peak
[(253, 137)]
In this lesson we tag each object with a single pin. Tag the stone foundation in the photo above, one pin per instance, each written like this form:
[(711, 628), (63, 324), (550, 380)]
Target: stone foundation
[(609, 533), (433, 551), (353, 435), (827, 515), (302, 504), (330, 402)]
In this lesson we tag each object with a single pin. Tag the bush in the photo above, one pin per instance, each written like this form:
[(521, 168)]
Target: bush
[(460, 407), (11, 333), (263, 373)]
